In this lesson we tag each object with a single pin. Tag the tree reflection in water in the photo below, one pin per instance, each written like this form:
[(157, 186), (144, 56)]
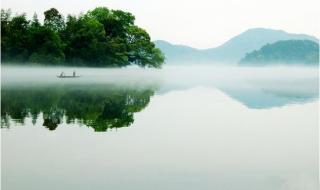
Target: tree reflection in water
[(101, 107)]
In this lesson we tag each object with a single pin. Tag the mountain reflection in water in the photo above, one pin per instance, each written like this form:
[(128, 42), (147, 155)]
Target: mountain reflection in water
[(197, 128), (92, 101), (101, 107)]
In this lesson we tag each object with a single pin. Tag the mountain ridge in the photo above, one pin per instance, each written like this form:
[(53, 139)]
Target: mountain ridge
[(232, 50)]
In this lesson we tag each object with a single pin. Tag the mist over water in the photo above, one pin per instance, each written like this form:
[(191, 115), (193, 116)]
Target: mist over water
[(280, 84), (180, 127), (191, 75)]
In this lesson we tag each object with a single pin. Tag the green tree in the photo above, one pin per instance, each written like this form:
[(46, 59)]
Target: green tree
[(5, 21), (46, 46), (15, 46), (115, 22), (141, 50), (35, 21), (86, 41), (100, 37), (53, 20)]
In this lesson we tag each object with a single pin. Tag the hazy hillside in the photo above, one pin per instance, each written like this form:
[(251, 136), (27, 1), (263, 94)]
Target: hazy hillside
[(288, 51), (231, 51), (178, 53)]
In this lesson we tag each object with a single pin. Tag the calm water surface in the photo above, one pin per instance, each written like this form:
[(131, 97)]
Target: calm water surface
[(176, 128)]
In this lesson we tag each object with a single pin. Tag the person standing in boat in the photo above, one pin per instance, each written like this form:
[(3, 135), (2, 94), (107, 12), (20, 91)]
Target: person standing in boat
[(74, 73), (62, 74)]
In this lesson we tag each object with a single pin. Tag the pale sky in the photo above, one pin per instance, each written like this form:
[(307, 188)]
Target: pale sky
[(197, 23)]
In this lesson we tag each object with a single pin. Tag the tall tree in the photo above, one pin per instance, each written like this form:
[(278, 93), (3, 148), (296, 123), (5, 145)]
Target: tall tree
[(5, 21), (53, 20), (16, 39)]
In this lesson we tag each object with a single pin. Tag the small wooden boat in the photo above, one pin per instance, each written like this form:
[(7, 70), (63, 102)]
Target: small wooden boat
[(66, 76), (62, 75)]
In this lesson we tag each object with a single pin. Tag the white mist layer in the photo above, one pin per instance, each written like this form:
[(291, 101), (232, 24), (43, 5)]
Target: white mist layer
[(178, 75)]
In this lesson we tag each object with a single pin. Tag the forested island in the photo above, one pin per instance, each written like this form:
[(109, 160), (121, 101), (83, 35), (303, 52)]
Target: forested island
[(286, 51), (98, 38)]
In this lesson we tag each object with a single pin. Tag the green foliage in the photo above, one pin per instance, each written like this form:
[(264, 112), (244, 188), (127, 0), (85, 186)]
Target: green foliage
[(14, 37), (141, 52), (5, 20), (29, 41), (288, 51), (100, 37), (53, 20), (45, 45), (85, 41)]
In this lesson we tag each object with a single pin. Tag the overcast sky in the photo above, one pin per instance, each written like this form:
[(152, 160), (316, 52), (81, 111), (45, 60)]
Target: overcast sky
[(197, 23)]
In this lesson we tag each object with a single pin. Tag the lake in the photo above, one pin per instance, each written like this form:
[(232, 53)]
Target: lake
[(181, 127)]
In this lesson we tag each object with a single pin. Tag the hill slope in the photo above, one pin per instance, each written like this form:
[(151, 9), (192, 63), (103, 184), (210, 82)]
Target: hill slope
[(178, 53), (231, 51), (288, 51)]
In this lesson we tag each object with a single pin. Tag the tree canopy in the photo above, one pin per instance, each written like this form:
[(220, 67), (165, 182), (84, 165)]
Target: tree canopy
[(100, 37)]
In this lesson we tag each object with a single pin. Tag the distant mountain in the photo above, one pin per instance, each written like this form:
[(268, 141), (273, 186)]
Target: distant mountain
[(288, 51), (179, 53), (231, 51)]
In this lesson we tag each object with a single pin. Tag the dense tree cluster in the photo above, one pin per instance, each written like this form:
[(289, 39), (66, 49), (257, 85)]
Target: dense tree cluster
[(100, 37), (286, 51)]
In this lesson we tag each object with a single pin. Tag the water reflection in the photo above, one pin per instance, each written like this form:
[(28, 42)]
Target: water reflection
[(256, 88), (265, 95), (196, 132), (101, 107)]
